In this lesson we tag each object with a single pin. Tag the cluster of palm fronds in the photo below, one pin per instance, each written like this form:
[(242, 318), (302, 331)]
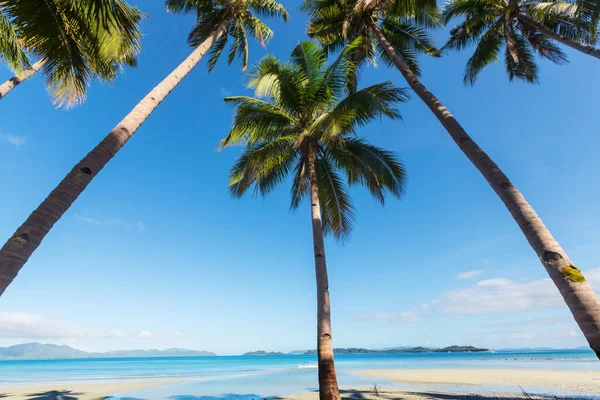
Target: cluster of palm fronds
[(77, 41)]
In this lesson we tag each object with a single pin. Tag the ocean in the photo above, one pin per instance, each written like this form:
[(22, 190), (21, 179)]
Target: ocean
[(258, 377)]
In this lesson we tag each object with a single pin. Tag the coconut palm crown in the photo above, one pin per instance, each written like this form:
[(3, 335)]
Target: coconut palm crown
[(306, 110), (405, 24), (240, 19), (522, 28), (75, 41)]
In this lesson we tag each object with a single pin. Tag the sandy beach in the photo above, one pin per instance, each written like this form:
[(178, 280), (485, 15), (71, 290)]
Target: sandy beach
[(576, 381), (76, 391)]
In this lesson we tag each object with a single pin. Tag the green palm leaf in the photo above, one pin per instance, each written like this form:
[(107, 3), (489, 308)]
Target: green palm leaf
[(337, 211)]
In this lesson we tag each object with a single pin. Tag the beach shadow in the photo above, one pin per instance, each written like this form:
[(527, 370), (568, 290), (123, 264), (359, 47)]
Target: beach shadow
[(225, 396), (54, 395), (412, 395)]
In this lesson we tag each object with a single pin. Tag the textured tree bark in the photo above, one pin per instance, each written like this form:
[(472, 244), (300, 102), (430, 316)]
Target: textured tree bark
[(21, 245), (582, 47), (579, 296), (328, 387), (10, 84)]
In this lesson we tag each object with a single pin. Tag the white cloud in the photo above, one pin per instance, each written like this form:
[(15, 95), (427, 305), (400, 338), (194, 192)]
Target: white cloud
[(140, 226), (499, 282), (17, 141), (17, 325), (498, 296), (28, 326), (145, 334), (470, 274), (491, 296), (178, 334), (225, 93)]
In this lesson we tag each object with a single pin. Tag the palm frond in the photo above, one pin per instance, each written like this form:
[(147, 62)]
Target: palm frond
[(358, 109), (257, 29), (519, 59), (262, 165), (255, 121), (269, 8), (10, 49), (337, 210), (215, 51), (300, 183), (485, 53), (367, 165)]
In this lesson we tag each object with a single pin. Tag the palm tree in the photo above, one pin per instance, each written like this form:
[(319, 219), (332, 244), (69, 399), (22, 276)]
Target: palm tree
[(395, 27), (523, 27), (302, 123), (74, 42), (216, 21)]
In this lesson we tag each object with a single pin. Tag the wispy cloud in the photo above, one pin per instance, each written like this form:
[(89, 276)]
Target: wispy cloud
[(98, 220), (225, 93), (470, 274), (491, 296), (17, 141)]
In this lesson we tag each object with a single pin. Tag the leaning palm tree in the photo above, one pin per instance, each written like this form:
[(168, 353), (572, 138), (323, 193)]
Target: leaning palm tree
[(73, 41), (302, 124), (522, 27), (395, 27), (217, 20)]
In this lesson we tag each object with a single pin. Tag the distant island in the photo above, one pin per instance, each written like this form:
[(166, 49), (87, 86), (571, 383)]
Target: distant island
[(450, 349), (38, 351), (263, 353)]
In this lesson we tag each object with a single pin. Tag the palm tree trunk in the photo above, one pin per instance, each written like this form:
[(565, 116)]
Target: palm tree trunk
[(582, 47), (328, 387), (17, 250), (10, 84), (579, 296)]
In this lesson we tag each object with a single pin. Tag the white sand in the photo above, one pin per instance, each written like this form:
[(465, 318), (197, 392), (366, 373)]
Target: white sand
[(79, 391), (576, 381)]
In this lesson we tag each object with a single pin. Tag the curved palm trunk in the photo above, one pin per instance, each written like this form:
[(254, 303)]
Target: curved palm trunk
[(17, 250), (328, 387), (584, 48), (579, 296), (10, 84)]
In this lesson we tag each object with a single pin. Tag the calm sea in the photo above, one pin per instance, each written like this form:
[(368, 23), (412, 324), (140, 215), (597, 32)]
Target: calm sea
[(252, 377)]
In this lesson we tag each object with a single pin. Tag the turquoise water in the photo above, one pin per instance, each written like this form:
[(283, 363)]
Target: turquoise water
[(252, 377)]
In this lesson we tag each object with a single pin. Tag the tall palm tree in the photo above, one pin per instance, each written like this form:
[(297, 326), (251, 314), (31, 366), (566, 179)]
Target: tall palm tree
[(216, 21), (73, 41), (395, 28), (522, 26), (302, 123)]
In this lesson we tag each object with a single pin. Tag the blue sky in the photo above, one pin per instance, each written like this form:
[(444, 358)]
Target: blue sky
[(156, 254)]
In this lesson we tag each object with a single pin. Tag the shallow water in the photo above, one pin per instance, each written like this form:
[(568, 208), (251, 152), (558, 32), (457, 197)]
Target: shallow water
[(258, 377)]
